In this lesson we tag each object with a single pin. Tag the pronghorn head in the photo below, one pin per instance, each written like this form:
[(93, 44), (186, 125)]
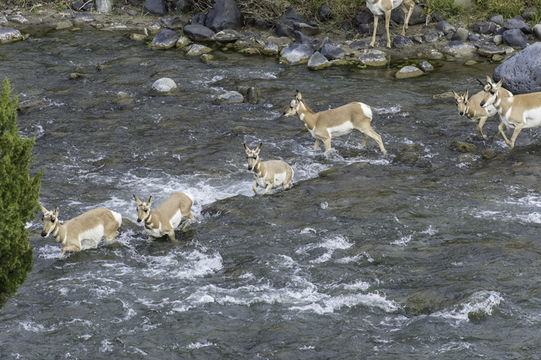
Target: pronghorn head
[(50, 220), (252, 155), (143, 208), (295, 105), (491, 92), (461, 102)]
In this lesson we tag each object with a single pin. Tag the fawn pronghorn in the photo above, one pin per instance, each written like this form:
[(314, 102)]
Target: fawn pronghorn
[(89, 228), (384, 7), (516, 111), (167, 216), (327, 124), (268, 174), (471, 108)]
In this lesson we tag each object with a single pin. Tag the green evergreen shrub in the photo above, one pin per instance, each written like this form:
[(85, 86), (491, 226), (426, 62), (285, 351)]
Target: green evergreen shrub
[(18, 197)]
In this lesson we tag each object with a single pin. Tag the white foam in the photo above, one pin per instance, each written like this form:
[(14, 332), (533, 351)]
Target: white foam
[(481, 301), (198, 345), (335, 303), (330, 244), (403, 241)]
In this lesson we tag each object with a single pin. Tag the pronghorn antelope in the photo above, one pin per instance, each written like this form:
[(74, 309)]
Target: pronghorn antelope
[(516, 111), (384, 7), (268, 174), (327, 124), (167, 216), (471, 107), (89, 228)]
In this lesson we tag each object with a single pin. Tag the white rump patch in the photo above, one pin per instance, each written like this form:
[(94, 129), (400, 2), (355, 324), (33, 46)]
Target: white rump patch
[(532, 118), (280, 178), (117, 217), (175, 220), (367, 110)]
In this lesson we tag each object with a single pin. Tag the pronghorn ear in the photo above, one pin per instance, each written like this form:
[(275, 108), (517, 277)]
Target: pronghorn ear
[(466, 94), (456, 95), (56, 211), (499, 83), (258, 148), (298, 96), (43, 210), (489, 80), (246, 147)]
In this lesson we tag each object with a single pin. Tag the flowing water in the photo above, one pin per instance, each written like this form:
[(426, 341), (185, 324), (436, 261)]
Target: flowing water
[(365, 258)]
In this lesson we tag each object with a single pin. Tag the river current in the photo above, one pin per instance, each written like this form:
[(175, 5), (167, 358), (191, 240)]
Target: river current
[(364, 258)]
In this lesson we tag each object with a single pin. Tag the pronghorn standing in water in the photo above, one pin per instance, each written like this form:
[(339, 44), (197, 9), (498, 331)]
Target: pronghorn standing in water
[(384, 7), (327, 124), (516, 111), (471, 107), (167, 216), (268, 174), (89, 227)]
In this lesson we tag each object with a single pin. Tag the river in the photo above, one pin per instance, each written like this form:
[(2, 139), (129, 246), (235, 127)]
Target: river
[(364, 258)]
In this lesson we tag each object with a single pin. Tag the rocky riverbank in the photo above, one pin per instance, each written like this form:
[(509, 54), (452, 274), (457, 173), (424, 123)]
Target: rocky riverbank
[(292, 38)]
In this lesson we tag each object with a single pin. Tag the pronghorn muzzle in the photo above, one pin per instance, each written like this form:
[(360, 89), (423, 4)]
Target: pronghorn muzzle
[(43, 233)]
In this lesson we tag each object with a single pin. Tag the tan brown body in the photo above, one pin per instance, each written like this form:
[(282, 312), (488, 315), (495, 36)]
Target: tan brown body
[(268, 174), (167, 216), (471, 108), (384, 7), (90, 227), (327, 124), (516, 111)]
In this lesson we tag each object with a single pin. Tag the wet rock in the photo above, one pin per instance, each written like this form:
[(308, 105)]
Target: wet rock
[(84, 18), (3, 20), (317, 62), (164, 86), (489, 154), (280, 41), (485, 27), (470, 63), (165, 39), (445, 27), (433, 54), (104, 6), (431, 36), (300, 38), (8, 35), (359, 44), (225, 14), (76, 75), (296, 54), (418, 16), (19, 19), (62, 25), (182, 42), (310, 29), (250, 93), (490, 49), (521, 73), (373, 57), (425, 66), (155, 6), (332, 52), (474, 37), (409, 71), (537, 31), (172, 22), (123, 99), (154, 27), (197, 32), (459, 49), (206, 58), (461, 34), (270, 48), (324, 12), (138, 37), (518, 23), (197, 50), (412, 155), (402, 42), (230, 97), (464, 147), (498, 19), (515, 38), (250, 51), (227, 36), (498, 40)]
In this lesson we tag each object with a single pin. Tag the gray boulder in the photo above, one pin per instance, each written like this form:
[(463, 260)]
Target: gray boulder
[(164, 86), (317, 61), (409, 71), (459, 49), (230, 97), (165, 39), (445, 27), (521, 73), (324, 12), (485, 27), (489, 49), (425, 66), (374, 57), (515, 38), (9, 35), (402, 42), (225, 14), (498, 19), (418, 16), (518, 23), (296, 54), (155, 6), (332, 52), (197, 32), (537, 31)]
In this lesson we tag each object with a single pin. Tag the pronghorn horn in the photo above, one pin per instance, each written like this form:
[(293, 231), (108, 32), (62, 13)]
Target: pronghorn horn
[(480, 82), (245, 147), (56, 211), (149, 199)]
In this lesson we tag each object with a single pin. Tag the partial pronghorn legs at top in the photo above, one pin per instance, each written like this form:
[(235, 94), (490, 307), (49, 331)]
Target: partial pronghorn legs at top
[(384, 7)]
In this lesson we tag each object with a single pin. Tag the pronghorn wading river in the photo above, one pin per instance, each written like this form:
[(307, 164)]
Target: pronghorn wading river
[(84, 231), (516, 111), (384, 7), (167, 216), (268, 174), (471, 107), (327, 124)]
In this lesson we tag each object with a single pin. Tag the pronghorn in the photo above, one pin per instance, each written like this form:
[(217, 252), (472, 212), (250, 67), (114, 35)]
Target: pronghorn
[(471, 107), (89, 228), (327, 124), (167, 216), (268, 174), (516, 111), (381, 7)]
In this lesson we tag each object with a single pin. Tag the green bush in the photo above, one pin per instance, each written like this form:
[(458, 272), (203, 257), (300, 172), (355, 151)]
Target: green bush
[(18, 197)]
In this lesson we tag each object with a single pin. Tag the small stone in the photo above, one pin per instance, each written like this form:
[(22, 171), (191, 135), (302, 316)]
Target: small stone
[(459, 49), (182, 42), (206, 58), (402, 42), (19, 19), (433, 54), (373, 57), (463, 146), (498, 19), (498, 40), (164, 39), (498, 58), (9, 35), (75, 75), (470, 63), (138, 37), (431, 36), (62, 25), (197, 50), (425, 66), (409, 71), (461, 34), (445, 27), (230, 97), (296, 54), (250, 93), (123, 98), (164, 86), (250, 51), (227, 35), (270, 48), (317, 62), (537, 31)]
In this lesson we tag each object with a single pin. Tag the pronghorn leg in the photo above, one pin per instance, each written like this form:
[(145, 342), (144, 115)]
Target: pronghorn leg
[(71, 248), (408, 16), (480, 125), (316, 144), (111, 236), (374, 135), (373, 42), (254, 188), (171, 235), (187, 222), (518, 128), (365, 139), (327, 143), (387, 20), (267, 189), (500, 128)]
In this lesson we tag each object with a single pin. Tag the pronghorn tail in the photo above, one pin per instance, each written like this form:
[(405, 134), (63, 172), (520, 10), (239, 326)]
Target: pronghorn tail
[(117, 217)]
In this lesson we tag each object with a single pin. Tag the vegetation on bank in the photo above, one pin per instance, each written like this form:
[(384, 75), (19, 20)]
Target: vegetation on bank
[(18, 197)]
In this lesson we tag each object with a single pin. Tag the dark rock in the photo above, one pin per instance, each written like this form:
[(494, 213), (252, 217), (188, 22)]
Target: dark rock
[(412, 155), (155, 6), (485, 27), (464, 147), (300, 38), (359, 44), (199, 18), (515, 38), (518, 23), (332, 52), (82, 5), (445, 27), (172, 22), (425, 66), (225, 14), (461, 34), (283, 30), (291, 16), (309, 29), (431, 36), (530, 13), (196, 32), (418, 16), (165, 39), (346, 26), (474, 37), (227, 36), (521, 73), (537, 31), (402, 42), (324, 12), (317, 61), (178, 6), (498, 19), (363, 17), (489, 49), (250, 93), (365, 29)]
